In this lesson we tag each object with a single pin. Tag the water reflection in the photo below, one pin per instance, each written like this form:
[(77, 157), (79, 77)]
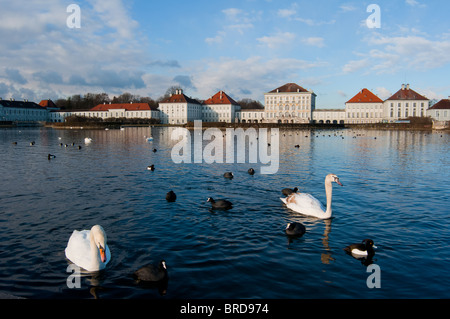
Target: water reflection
[(326, 257), (395, 192)]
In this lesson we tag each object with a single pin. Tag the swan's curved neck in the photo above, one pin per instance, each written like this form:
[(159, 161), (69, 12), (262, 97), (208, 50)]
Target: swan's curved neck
[(328, 192), (95, 254)]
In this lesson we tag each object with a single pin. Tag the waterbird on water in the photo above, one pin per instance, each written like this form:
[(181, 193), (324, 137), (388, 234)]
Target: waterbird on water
[(288, 191), (88, 249), (361, 250), (295, 229), (228, 175), (151, 167), (220, 203), (251, 171), (307, 204), (171, 196), (152, 273)]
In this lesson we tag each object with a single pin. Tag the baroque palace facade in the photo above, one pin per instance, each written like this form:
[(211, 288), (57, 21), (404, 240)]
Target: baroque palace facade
[(289, 103)]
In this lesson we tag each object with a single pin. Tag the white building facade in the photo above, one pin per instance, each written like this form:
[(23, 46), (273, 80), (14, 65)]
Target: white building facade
[(252, 116), (329, 116), (289, 103), (364, 107), (405, 103), (220, 108), (107, 111), (179, 109), (440, 111), (22, 111)]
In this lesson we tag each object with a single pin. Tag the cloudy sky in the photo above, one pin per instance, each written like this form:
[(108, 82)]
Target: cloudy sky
[(245, 47)]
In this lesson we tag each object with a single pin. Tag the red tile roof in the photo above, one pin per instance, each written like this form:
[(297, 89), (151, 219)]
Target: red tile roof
[(47, 103), (220, 98), (289, 87), (441, 105), (365, 96), (126, 106), (407, 94), (179, 98)]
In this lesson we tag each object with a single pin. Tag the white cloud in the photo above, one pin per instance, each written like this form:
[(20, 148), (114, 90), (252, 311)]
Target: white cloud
[(291, 14), (414, 3), (240, 27), (312, 22), (285, 13), (236, 20), (113, 14), (275, 41), (390, 54), (411, 51), (232, 13), (217, 39), (51, 59), (355, 65), (383, 93), (314, 41), (347, 7), (255, 74), (432, 94)]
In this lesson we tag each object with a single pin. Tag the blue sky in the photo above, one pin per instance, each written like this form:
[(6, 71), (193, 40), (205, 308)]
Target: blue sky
[(245, 48)]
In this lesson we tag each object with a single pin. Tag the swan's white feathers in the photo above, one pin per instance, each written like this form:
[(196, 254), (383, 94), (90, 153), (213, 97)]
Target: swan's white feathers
[(307, 204), (304, 203), (78, 251)]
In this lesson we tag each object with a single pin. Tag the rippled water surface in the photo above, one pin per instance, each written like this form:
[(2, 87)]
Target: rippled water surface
[(395, 192)]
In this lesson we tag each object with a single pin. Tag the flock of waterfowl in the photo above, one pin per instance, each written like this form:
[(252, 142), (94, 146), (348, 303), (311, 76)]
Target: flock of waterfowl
[(89, 250)]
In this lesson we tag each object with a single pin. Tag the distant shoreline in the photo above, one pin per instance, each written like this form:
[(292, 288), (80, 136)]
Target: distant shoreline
[(205, 125)]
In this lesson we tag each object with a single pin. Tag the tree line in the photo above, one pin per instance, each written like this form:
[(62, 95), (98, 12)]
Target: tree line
[(89, 100)]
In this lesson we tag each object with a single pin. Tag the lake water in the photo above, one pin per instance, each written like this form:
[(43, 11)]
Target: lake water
[(396, 192)]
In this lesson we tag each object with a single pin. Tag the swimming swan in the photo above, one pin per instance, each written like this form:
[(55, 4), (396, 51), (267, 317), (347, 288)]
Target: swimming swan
[(88, 249), (307, 204)]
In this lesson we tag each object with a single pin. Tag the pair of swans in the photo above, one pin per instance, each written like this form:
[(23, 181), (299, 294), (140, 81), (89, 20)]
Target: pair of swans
[(88, 248), (307, 204)]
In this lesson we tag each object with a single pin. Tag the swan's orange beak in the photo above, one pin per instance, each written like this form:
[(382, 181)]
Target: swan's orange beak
[(102, 254), (339, 183)]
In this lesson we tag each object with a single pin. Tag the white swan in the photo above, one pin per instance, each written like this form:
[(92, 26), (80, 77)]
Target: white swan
[(88, 249), (87, 140), (307, 204)]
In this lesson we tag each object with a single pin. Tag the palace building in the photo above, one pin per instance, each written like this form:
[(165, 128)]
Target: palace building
[(289, 103)]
